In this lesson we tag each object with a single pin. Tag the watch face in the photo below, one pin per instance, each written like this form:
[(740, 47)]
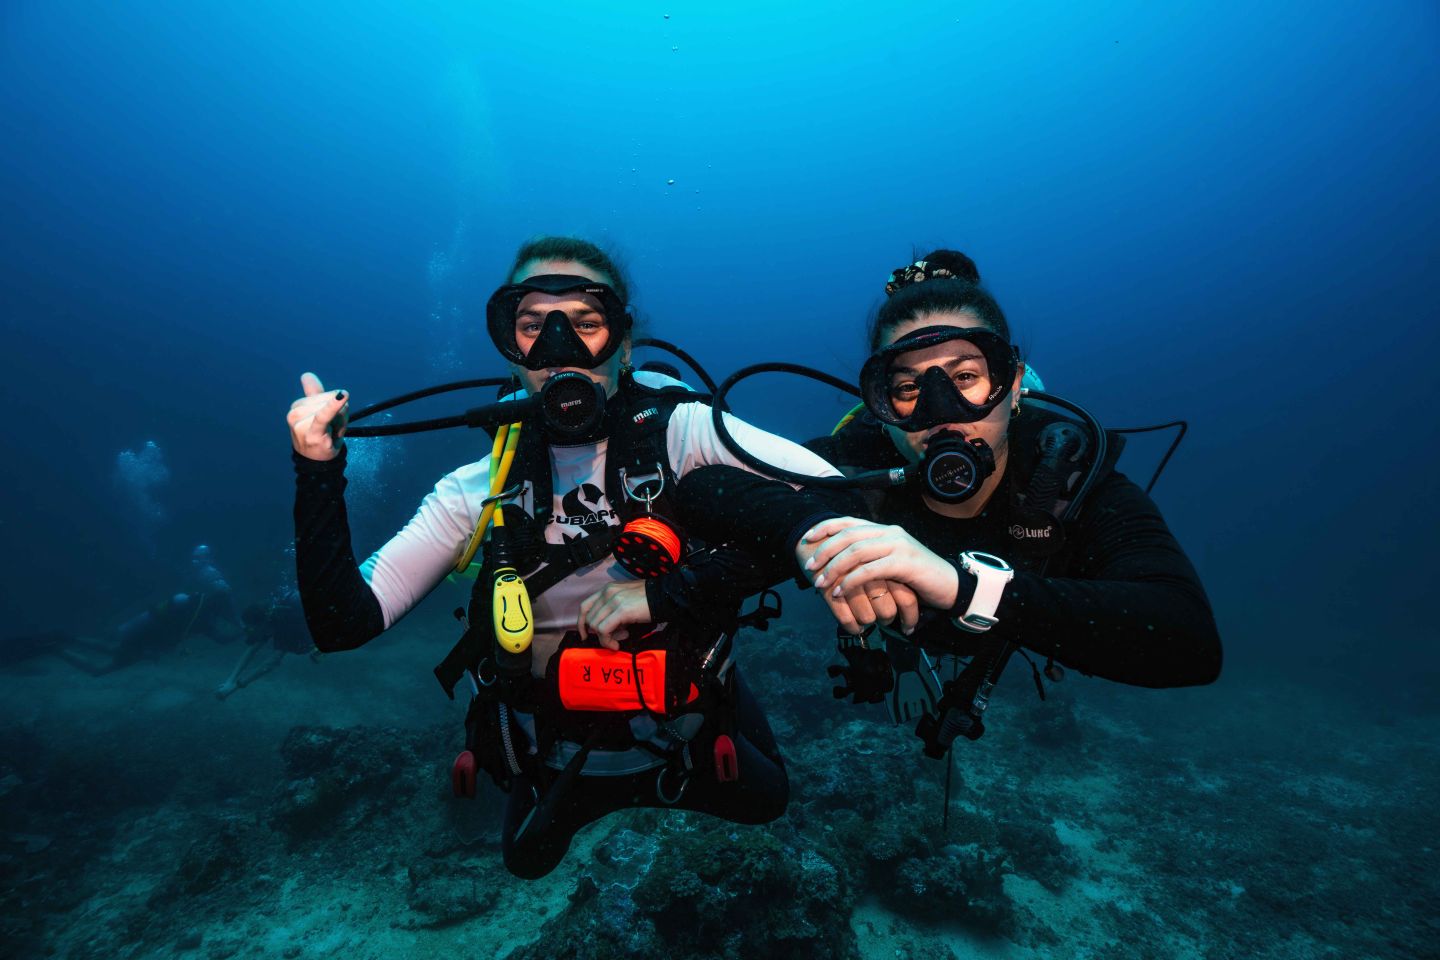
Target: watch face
[(974, 560)]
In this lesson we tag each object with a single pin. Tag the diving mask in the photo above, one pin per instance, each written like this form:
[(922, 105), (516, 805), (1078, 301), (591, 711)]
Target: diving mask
[(970, 385), (558, 345)]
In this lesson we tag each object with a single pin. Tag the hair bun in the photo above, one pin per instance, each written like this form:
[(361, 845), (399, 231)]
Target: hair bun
[(937, 265), (952, 263)]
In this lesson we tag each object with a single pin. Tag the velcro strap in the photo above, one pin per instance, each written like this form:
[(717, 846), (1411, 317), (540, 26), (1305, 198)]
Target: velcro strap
[(598, 679)]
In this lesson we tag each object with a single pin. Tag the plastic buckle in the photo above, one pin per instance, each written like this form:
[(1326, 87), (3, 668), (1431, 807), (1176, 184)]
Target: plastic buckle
[(760, 617), (727, 765), (975, 622), (583, 551)]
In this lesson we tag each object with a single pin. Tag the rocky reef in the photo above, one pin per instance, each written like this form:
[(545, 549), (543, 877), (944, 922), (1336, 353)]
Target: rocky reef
[(1086, 825)]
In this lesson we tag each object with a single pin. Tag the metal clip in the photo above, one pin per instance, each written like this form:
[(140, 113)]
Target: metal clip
[(660, 787), (502, 495), (645, 498), (982, 696)]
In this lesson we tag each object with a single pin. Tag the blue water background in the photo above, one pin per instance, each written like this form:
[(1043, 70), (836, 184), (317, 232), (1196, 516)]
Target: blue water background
[(1229, 214)]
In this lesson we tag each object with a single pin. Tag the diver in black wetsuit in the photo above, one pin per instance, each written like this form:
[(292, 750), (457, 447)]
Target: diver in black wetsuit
[(580, 706), (273, 630), (1006, 538)]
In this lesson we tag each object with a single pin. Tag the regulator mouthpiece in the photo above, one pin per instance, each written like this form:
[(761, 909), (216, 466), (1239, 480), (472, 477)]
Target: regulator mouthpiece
[(954, 468), (571, 405)]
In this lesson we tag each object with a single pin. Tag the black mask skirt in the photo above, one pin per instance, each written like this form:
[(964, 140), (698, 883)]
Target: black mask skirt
[(558, 344), (940, 400)]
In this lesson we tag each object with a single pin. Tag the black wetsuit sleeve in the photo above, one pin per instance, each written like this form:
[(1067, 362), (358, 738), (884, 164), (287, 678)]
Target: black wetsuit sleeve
[(1130, 608), (756, 521), (709, 589), (341, 610), (828, 447), (724, 504)]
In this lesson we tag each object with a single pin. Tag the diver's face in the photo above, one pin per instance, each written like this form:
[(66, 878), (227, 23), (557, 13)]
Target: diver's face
[(587, 319), (967, 369)]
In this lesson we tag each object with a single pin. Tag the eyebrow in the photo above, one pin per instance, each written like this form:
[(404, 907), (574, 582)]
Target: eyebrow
[(952, 362)]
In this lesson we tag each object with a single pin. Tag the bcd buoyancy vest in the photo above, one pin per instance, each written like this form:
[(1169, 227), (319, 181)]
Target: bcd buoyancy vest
[(596, 711)]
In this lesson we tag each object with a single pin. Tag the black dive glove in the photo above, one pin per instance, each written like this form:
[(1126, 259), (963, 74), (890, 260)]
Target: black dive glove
[(867, 674)]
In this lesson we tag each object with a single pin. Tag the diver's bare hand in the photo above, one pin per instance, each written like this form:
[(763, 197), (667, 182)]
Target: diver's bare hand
[(849, 552), (876, 601), (862, 603), (610, 610), (317, 420)]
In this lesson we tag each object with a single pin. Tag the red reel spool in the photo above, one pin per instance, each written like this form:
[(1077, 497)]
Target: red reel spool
[(648, 547)]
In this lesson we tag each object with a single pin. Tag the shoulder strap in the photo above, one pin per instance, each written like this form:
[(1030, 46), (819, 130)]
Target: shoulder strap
[(532, 465), (637, 459)]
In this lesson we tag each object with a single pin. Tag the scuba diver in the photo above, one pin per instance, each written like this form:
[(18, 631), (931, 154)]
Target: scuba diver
[(219, 595), (149, 635), (995, 522), (277, 627), (205, 606), (597, 646)]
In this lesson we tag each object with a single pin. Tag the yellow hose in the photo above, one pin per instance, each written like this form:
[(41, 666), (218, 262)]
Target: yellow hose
[(502, 455), (845, 420)]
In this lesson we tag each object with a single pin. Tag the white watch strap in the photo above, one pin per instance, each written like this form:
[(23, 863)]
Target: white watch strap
[(990, 581)]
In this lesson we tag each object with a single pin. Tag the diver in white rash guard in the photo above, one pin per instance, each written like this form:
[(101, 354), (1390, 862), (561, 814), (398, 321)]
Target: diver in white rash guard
[(622, 690)]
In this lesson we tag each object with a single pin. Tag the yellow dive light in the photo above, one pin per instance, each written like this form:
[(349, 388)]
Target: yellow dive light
[(510, 606)]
